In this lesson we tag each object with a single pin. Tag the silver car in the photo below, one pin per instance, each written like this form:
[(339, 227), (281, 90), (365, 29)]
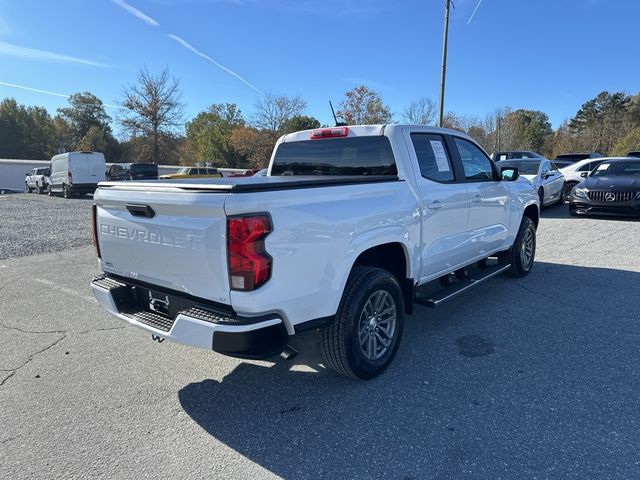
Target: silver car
[(543, 175)]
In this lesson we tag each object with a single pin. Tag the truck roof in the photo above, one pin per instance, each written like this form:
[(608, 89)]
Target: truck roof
[(371, 130)]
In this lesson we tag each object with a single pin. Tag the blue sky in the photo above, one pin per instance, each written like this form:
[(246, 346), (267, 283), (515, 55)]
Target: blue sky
[(550, 55)]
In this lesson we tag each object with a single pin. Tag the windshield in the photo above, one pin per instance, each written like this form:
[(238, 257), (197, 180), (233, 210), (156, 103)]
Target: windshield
[(527, 167), (42, 171), (144, 168), (615, 169)]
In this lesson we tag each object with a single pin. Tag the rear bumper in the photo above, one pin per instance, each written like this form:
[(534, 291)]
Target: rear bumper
[(194, 323), (82, 187)]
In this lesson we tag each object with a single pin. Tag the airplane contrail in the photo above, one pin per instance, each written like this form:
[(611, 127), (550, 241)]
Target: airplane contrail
[(136, 13), (474, 12), (150, 21), (190, 47), (14, 50), (48, 92)]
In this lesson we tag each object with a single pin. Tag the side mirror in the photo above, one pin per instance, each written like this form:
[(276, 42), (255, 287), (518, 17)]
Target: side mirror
[(509, 174), (27, 174), (546, 175), (584, 174)]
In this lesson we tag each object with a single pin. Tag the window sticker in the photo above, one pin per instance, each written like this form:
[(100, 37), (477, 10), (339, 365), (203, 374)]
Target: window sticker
[(603, 166), (503, 157), (441, 155)]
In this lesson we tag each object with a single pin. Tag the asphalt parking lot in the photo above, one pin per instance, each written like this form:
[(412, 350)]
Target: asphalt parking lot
[(531, 378)]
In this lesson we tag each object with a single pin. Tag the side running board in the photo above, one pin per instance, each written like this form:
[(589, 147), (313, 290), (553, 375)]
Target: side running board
[(453, 290)]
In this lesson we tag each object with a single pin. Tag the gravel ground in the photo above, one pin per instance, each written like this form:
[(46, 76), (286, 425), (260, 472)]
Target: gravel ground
[(31, 224)]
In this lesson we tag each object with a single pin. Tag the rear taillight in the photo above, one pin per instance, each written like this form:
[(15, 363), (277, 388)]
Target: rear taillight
[(69, 177), (249, 263), (329, 133), (94, 229)]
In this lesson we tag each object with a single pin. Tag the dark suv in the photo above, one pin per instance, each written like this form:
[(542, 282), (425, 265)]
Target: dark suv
[(133, 171)]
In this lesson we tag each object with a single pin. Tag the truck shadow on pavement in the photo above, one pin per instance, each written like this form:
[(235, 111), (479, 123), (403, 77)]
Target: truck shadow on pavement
[(512, 381)]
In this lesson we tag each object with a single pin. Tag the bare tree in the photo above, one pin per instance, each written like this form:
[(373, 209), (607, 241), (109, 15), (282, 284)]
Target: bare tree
[(273, 111), (420, 112), (153, 111)]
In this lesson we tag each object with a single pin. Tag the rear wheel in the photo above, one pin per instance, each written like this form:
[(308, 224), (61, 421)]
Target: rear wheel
[(522, 254), (366, 332)]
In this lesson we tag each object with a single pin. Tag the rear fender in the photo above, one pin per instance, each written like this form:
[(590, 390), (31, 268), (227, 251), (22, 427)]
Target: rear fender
[(375, 238)]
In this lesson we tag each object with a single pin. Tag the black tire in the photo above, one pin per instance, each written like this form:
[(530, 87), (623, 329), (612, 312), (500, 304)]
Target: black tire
[(561, 197), (568, 188), (65, 191), (29, 189), (521, 267), (341, 341)]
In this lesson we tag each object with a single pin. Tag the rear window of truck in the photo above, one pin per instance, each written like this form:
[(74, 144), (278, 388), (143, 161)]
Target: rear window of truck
[(335, 156)]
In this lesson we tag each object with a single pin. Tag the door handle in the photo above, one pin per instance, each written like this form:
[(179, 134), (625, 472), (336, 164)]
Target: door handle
[(435, 205), (476, 199), (140, 210)]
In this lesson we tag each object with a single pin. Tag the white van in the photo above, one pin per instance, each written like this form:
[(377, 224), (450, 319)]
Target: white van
[(76, 173)]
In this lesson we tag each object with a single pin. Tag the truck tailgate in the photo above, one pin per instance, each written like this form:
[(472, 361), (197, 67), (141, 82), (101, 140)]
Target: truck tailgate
[(170, 239)]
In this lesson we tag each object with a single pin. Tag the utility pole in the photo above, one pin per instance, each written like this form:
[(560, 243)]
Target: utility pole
[(444, 60)]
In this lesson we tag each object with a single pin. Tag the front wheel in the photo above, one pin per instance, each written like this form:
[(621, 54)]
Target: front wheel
[(568, 188), (521, 255), (366, 332)]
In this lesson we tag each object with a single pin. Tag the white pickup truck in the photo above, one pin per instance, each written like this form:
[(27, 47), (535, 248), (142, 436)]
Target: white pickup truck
[(351, 226)]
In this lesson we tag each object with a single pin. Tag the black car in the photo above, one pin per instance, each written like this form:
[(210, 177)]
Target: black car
[(612, 188), (133, 171), (633, 154)]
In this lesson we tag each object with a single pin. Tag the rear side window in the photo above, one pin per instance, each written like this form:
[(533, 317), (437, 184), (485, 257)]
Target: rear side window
[(587, 167), (335, 156), (477, 166), (432, 157)]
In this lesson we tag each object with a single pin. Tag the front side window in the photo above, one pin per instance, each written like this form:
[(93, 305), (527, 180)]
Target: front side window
[(477, 166), (432, 157)]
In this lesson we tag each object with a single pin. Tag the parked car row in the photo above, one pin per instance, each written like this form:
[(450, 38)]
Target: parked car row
[(78, 173), (591, 185)]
